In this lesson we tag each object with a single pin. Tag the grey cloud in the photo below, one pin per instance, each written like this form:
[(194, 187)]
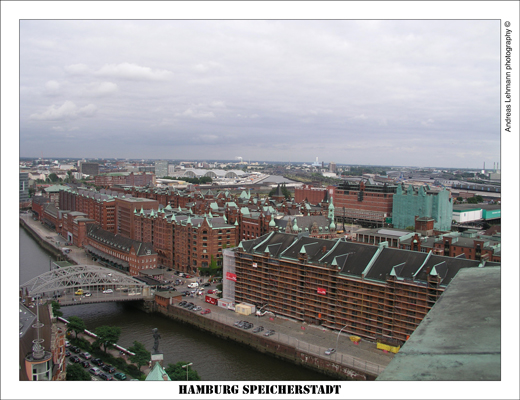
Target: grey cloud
[(132, 71), (267, 88), (68, 110)]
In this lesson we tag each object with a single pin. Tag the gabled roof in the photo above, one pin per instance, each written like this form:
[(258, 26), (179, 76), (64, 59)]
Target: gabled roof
[(360, 260)]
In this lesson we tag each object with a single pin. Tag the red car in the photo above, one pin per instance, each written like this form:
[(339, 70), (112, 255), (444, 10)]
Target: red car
[(211, 291), (206, 311)]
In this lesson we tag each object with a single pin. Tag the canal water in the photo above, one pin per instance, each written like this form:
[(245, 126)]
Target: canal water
[(213, 358)]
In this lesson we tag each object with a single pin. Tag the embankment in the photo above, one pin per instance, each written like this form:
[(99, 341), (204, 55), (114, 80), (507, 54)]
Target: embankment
[(46, 244), (259, 343)]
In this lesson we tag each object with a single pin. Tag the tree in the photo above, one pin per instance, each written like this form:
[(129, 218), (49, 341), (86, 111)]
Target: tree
[(53, 177), (460, 199), (410, 228), (76, 324), (56, 309), (177, 373), (76, 372), (142, 356), (107, 336)]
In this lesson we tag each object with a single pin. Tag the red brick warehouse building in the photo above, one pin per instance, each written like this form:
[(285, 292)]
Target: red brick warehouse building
[(182, 240), (120, 252), (99, 206), (127, 178), (374, 292), (363, 203)]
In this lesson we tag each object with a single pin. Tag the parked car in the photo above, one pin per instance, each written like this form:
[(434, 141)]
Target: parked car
[(85, 355), (106, 377), (193, 285), (207, 284), (75, 349), (95, 371), (97, 361), (212, 291), (120, 376), (270, 332), (67, 353), (206, 311), (67, 343), (182, 303), (258, 329), (330, 351), (190, 306), (108, 291), (85, 364), (196, 308), (237, 323), (109, 368), (74, 359)]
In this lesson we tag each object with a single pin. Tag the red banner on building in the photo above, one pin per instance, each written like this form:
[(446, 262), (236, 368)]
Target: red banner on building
[(231, 277), (322, 291), (255, 265)]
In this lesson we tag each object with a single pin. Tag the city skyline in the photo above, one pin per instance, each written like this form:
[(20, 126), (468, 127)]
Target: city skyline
[(273, 90)]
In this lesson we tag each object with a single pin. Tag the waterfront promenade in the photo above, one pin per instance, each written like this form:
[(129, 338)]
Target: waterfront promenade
[(304, 337)]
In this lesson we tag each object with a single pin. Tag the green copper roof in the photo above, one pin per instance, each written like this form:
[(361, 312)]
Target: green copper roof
[(157, 374)]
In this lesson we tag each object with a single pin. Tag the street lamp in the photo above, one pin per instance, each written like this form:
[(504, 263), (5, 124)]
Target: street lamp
[(337, 340), (187, 366)]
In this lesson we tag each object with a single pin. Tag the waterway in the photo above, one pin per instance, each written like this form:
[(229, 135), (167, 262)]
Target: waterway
[(213, 358)]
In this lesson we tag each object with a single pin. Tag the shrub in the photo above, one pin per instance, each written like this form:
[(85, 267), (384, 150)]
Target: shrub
[(82, 343)]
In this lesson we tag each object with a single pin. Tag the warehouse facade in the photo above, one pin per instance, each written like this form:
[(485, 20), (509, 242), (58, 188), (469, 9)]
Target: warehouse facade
[(374, 292)]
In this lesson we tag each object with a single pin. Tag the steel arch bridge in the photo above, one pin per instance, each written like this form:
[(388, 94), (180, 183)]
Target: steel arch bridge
[(65, 282)]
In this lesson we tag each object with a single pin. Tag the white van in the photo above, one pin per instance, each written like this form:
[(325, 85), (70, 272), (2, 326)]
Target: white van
[(193, 285)]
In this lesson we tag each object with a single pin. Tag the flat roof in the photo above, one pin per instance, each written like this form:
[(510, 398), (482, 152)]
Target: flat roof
[(459, 339)]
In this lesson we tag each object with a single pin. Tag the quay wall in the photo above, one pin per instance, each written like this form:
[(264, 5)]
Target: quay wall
[(257, 342), (44, 244)]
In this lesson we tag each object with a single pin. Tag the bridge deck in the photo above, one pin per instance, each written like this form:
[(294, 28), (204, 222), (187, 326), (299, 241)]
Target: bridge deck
[(74, 300)]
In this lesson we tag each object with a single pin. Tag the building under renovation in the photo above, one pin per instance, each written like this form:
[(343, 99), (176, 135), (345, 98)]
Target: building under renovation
[(375, 292), (422, 202)]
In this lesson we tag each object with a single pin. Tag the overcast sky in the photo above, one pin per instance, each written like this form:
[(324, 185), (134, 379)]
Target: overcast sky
[(420, 93)]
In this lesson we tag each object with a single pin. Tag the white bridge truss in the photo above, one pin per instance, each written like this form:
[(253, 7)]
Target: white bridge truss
[(79, 276)]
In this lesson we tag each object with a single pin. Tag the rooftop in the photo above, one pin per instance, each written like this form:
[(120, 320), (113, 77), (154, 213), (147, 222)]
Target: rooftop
[(459, 340)]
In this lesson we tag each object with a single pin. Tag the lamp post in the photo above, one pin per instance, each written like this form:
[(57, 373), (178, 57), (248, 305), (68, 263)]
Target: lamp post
[(187, 366), (337, 340)]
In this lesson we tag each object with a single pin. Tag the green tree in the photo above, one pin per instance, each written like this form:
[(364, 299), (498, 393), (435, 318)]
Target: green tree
[(142, 356), (53, 177), (177, 373), (76, 372), (107, 336), (472, 200), (56, 309), (460, 199), (410, 228), (76, 324)]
